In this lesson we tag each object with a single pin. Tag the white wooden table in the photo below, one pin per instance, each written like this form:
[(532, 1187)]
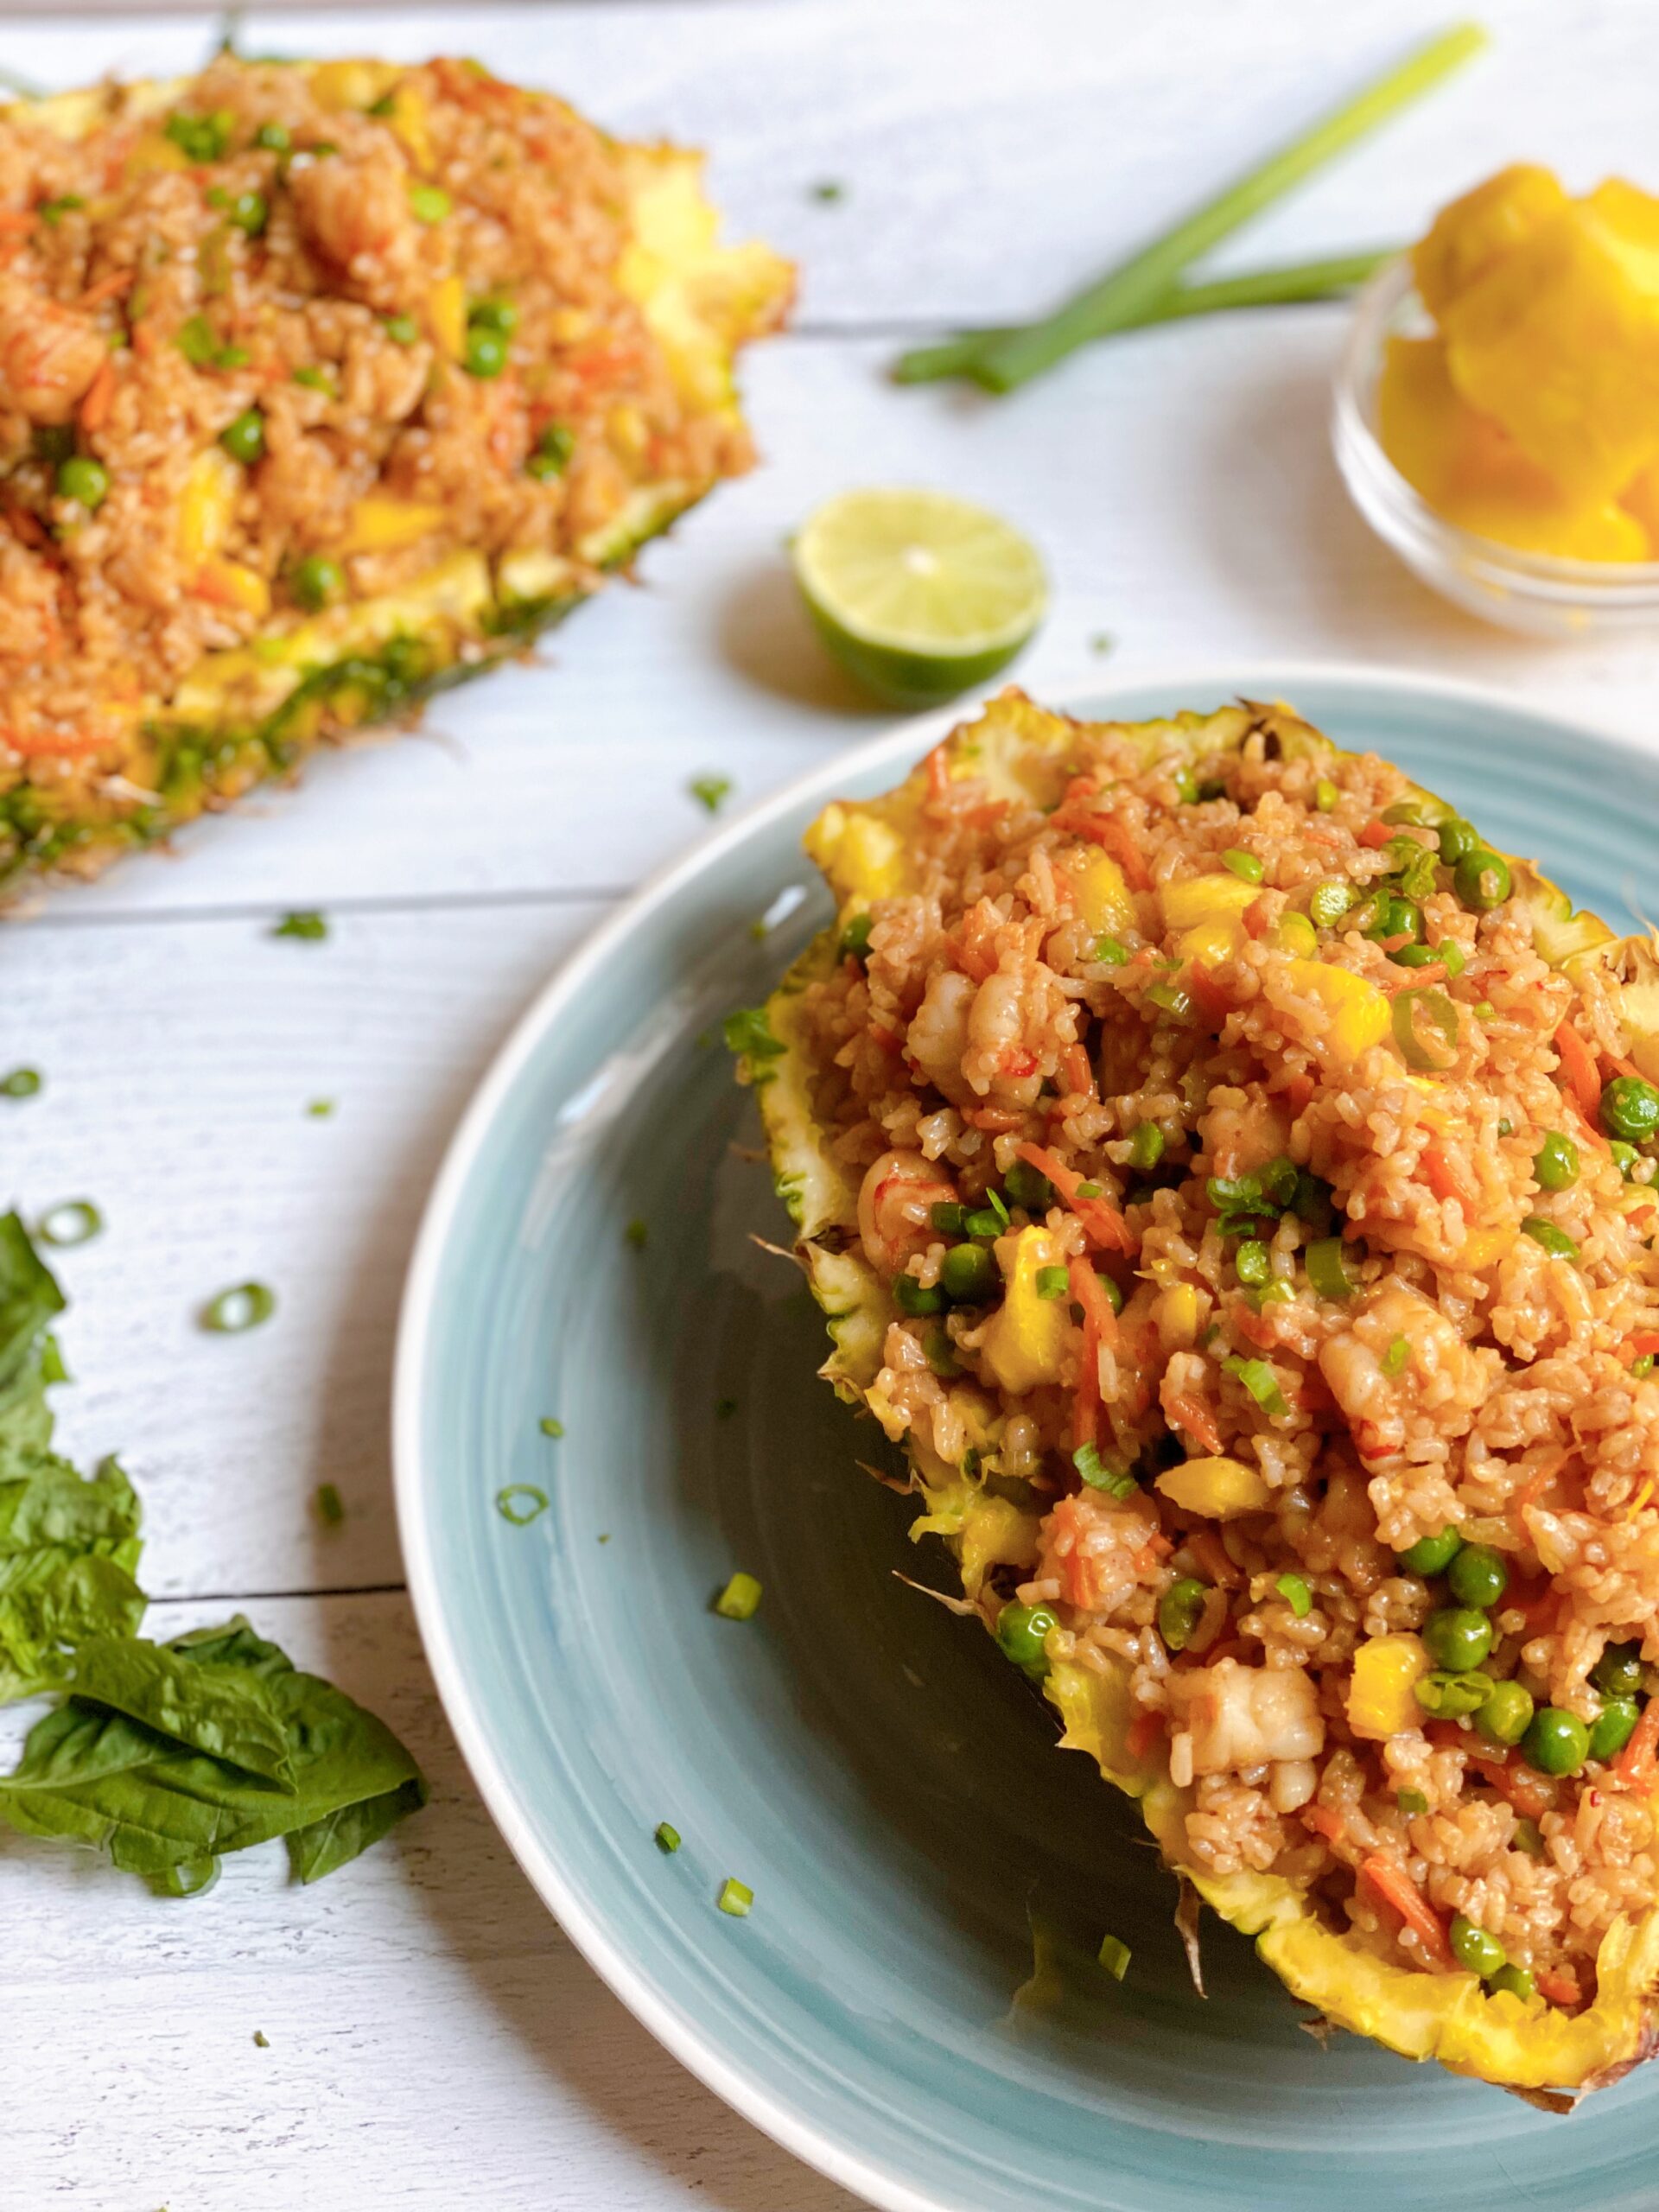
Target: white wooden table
[(432, 2040)]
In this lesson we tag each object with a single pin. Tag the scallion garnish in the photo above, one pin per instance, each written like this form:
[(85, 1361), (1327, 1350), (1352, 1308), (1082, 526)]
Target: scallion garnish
[(1395, 1359), (735, 1898), (520, 1503), (1100, 1474), (330, 1508), (21, 1083), (320, 1108), (1296, 1594), (550, 1425), (711, 792), (76, 1221), (1260, 1381), (739, 1600), (1327, 1268), (1114, 1956), (244, 1307), (1411, 1801), (668, 1839)]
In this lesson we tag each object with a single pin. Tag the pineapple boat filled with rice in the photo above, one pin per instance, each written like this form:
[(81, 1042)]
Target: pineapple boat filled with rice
[(1232, 1181)]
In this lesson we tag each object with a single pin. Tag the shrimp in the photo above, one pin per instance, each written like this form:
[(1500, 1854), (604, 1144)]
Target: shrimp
[(894, 1203), (48, 355), (1231, 1717), (1435, 1371), (1014, 1005), (938, 1038), (1243, 1130), (356, 214)]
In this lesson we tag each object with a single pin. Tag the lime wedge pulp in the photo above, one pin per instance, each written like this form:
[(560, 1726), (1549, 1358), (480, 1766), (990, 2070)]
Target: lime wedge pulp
[(918, 595)]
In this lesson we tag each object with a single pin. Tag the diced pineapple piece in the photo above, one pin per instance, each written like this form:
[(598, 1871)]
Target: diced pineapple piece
[(379, 523), (446, 315), (1025, 1338), (208, 504), (1100, 895), (1217, 1487), (1380, 1700), (360, 84), (1175, 1317), (1202, 899), (407, 117), (1559, 342), (1473, 232), (1481, 1248), (228, 583), (862, 855), (1472, 473), (994, 1533), (1358, 1012)]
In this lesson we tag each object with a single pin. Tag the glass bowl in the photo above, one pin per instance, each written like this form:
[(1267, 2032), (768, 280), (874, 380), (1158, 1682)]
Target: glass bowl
[(1538, 593)]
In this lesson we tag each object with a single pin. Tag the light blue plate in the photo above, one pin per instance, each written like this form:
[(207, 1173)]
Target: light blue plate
[(867, 1763)]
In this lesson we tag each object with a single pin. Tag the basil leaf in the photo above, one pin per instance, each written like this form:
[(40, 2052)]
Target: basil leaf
[(53, 1597), (28, 1296), (228, 1713), (50, 1503), (332, 1842)]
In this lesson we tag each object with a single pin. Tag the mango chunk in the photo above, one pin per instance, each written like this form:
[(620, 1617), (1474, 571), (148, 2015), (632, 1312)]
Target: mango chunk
[(1100, 895), (1358, 1011), (208, 506), (1025, 1338), (862, 855), (1219, 1487), (1471, 234), (1559, 342), (1381, 1702), (379, 523), (1201, 899)]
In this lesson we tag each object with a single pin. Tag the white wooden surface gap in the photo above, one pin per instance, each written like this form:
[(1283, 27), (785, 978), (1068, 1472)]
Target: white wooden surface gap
[(433, 2041)]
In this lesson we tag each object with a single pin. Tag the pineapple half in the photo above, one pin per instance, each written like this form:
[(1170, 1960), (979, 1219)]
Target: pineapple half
[(242, 715), (1019, 750)]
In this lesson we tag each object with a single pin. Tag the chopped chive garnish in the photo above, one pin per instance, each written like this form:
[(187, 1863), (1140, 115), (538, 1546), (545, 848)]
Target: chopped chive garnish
[(244, 1307), (749, 1032), (1052, 1282), (855, 937), (1411, 1801), (668, 1839), (1260, 1381), (1555, 1241), (724, 1408), (1100, 1474), (735, 1898), (1102, 642), (999, 1206), (550, 1426), (261, 2040), (309, 928), (947, 1217), (829, 190), (1111, 951), (21, 1083), (711, 791), (1114, 1956), (320, 1108), (520, 1503), (1642, 1363), (1296, 1594), (330, 1507), (984, 1222), (77, 1221), (1092, 1190), (739, 1600), (1395, 1357), (636, 1233)]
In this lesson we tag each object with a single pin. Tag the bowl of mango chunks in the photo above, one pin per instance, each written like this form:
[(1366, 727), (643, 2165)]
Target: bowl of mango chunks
[(1497, 405)]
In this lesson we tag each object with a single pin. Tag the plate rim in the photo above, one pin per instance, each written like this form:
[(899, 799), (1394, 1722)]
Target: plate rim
[(909, 738)]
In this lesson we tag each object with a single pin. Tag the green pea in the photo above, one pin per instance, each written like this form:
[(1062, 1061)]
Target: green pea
[(1555, 1241), (1473, 1948), (1459, 838), (1448, 1696), (1477, 1576), (968, 1274), (1179, 1609), (552, 456), (316, 580), (1483, 880), (1245, 865), (1329, 901), (1630, 1109), (1506, 1715), (1457, 1639), (401, 329), (1516, 1980), (1145, 1145), (1029, 1187), (1613, 1727), (494, 314), (1253, 1262), (245, 438), (910, 1297), (272, 137), (487, 352), (1020, 1631), (85, 480), (1556, 1163), (1557, 1742), (1417, 956), (1624, 1156), (1617, 1673), (428, 203), (250, 212), (1432, 1554)]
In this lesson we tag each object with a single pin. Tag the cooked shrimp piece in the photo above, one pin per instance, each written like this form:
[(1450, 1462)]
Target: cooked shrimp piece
[(1229, 1717), (894, 1206), (938, 1038), (48, 354)]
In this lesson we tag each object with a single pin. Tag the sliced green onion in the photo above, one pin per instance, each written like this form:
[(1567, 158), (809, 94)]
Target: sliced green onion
[(636, 1232), (244, 1306), (1145, 1145), (1555, 1241), (320, 1108), (1260, 1381), (1642, 1364), (1296, 1594), (1395, 1359), (1052, 1282), (740, 1600), (331, 1510), (1110, 952), (1327, 1268), (1100, 1474), (21, 1083), (735, 1898), (939, 1352), (76, 1221), (308, 928), (1325, 795), (1411, 1801), (667, 1839), (1171, 999), (550, 1425), (1179, 1610), (948, 1219), (984, 1222), (712, 791), (1114, 1956), (1425, 1029), (999, 1207), (428, 203), (1245, 865), (1405, 813), (1253, 1262), (520, 1503), (1092, 1190)]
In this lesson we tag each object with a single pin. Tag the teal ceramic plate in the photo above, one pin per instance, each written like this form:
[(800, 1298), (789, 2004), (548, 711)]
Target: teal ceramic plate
[(868, 1764)]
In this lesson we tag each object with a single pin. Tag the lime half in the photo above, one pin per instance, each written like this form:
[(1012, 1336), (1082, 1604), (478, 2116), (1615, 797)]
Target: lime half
[(918, 594)]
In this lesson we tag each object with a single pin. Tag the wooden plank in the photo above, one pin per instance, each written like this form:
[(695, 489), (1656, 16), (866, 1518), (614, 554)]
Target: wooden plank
[(179, 1059), (433, 2040)]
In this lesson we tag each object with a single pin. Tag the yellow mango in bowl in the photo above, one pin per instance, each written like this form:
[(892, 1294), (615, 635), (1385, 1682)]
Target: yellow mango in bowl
[(1558, 342), (1477, 230)]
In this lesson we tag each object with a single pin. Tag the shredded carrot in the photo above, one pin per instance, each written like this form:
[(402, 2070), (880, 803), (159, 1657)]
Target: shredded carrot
[(1325, 1822), (1558, 1987), (1102, 1224), (1646, 1341), (1375, 835), (1390, 1879), (107, 288), (100, 395), (1411, 979), (1634, 1765), (1624, 1067), (1578, 1069), (1447, 1177), (1191, 1413), (1074, 1067), (1090, 1293), (996, 1120), (1142, 1733), (1298, 1093), (1587, 1131), (938, 772)]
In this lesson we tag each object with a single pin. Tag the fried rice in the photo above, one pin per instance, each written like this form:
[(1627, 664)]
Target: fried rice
[(1246, 1190)]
